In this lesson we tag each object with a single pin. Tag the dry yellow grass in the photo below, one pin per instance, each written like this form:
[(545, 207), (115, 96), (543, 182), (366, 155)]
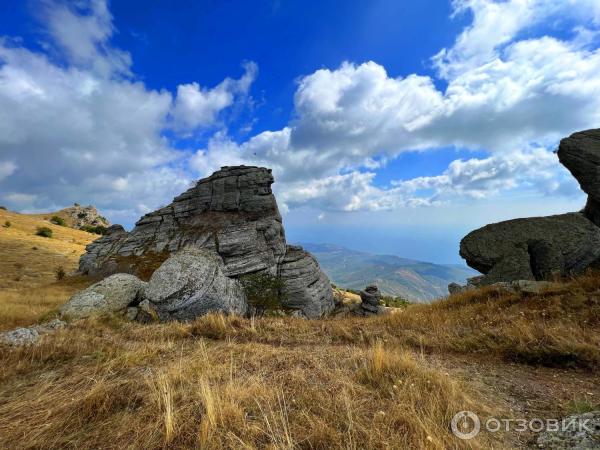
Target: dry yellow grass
[(28, 287), (28, 260), (116, 385)]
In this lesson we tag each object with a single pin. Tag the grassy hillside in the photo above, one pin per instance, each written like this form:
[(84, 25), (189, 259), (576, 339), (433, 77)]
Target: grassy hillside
[(28, 265), (414, 280), (284, 383)]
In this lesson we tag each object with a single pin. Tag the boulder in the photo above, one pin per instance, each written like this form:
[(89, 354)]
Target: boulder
[(580, 153), (233, 213), (532, 249), (455, 288), (111, 295), (30, 335), (192, 283), (370, 299), (306, 287)]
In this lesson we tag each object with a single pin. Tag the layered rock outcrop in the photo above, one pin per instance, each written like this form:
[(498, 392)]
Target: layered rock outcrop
[(370, 298), (541, 248), (307, 288), (233, 214)]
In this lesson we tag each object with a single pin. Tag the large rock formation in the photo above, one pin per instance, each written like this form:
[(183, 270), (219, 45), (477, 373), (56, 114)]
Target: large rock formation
[(532, 249), (232, 213), (580, 153), (191, 283), (540, 248)]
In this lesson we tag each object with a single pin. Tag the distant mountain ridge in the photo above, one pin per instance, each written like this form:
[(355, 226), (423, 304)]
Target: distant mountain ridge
[(417, 281)]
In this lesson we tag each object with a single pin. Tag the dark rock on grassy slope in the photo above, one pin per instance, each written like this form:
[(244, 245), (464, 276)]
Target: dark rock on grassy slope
[(541, 248)]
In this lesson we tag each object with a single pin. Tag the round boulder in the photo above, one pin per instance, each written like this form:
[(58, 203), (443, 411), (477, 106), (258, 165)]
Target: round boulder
[(191, 283), (111, 295)]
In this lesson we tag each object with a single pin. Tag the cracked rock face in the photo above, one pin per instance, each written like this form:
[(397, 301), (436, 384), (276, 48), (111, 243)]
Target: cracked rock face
[(232, 212), (532, 249), (307, 288)]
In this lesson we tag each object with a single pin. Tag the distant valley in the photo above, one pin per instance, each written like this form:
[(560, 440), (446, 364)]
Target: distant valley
[(414, 280)]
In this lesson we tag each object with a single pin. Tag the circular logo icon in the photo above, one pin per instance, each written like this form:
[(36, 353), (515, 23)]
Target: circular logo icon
[(465, 425)]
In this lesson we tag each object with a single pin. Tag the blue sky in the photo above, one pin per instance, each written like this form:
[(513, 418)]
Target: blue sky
[(391, 127)]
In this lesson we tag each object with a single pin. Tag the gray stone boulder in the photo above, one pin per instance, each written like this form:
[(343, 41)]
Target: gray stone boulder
[(579, 432), (370, 298), (580, 153), (532, 249), (109, 296), (306, 287), (233, 213), (30, 335), (192, 283)]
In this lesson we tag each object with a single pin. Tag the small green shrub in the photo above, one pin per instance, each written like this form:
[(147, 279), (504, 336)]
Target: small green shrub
[(60, 273), (98, 229), (56, 220), (394, 302), (264, 292), (76, 204), (7, 224), (3, 207), (44, 232)]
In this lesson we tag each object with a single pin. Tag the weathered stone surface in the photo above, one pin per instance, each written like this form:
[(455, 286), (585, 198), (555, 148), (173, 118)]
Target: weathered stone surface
[(370, 298), (233, 212), (192, 283), (532, 249), (30, 335), (111, 295), (82, 216), (20, 336), (580, 153), (455, 288), (581, 432), (307, 288)]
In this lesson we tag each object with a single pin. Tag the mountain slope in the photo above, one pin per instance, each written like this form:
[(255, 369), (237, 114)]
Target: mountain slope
[(414, 280), (30, 260)]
